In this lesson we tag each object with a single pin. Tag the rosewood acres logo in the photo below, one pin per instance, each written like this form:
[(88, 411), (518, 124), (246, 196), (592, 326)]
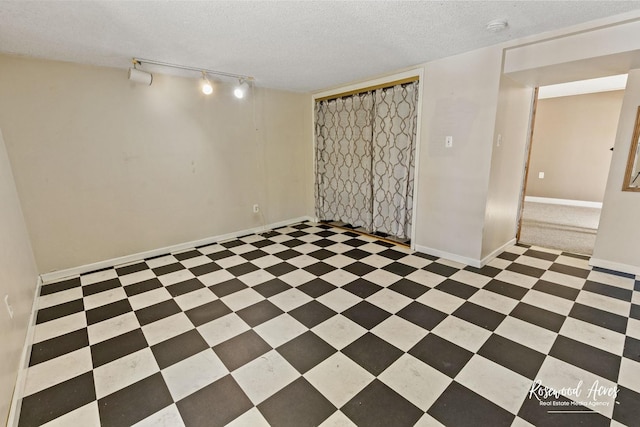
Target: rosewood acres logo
[(597, 395)]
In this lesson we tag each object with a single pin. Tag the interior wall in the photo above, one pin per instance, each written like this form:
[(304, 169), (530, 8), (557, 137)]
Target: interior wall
[(507, 164), (18, 278), (618, 234), (459, 99), (571, 145), (108, 168)]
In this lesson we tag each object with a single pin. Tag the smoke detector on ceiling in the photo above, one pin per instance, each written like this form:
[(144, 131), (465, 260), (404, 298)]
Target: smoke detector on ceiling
[(497, 25)]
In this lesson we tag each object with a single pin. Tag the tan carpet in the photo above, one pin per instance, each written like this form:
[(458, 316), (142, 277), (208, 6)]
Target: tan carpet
[(568, 228)]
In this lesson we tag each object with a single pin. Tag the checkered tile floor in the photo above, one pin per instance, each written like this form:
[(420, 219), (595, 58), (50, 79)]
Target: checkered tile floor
[(311, 325)]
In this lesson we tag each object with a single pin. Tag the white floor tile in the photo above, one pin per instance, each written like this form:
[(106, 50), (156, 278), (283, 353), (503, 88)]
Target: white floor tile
[(59, 297), (441, 301), (98, 276), (112, 327), (176, 277), (85, 416), (548, 302), (149, 298), (137, 277), (399, 332), (124, 371), (222, 329), (167, 417), (57, 370), (389, 300), (339, 300), (279, 330), (195, 299), (193, 373), (596, 336), (251, 418), (60, 326), (241, 299), (339, 331), (290, 299), (465, 334), (264, 376), (494, 301), (525, 333), (169, 327), (103, 298)]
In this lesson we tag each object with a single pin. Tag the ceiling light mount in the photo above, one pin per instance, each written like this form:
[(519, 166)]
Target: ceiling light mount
[(207, 89), (241, 90), (140, 76), (497, 25)]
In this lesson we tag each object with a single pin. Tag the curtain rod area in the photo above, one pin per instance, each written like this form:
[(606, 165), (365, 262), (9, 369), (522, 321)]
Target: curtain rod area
[(369, 88)]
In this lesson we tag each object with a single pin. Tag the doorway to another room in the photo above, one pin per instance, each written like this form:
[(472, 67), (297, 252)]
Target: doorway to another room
[(573, 131)]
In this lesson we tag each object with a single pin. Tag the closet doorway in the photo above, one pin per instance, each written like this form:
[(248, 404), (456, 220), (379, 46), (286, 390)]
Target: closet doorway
[(365, 159)]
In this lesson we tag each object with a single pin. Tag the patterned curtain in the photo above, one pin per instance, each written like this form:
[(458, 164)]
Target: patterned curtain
[(343, 156), (394, 139), (365, 147)]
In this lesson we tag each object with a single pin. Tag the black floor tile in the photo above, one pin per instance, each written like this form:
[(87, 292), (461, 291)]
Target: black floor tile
[(281, 269), (378, 405), (241, 349), (259, 313), (359, 268), (584, 356), (251, 255), (458, 289), (96, 288), (480, 316), (627, 407), (141, 399), (399, 268), (355, 242), (556, 289), (271, 287), (319, 268), (509, 256), (512, 355), (54, 347), (506, 289), (570, 270), (187, 255), (409, 288), (599, 317), (547, 256), (207, 312), (527, 270), (242, 269), (203, 269), (116, 347), (632, 349), (311, 408), (108, 311), (372, 353), (228, 287), (324, 243), (185, 287), (232, 243), (178, 348), (441, 354), (60, 286), (216, 256), (362, 288), (390, 253), (315, 288), (366, 314), (141, 287), (214, 405), (535, 410), (60, 310), (312, 313), (157, 311), (538, 316), (321, 254), (356, 253), (306, 351), (52, 402), (459, 406), (293, 243), (166, 269), (441, 269), (487, 270), (422, 315), (608, 290), (287, 254)]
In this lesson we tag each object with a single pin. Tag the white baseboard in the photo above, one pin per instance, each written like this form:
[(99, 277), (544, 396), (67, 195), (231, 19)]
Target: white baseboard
[(615, 266), (75, 271), (18, 390), (447, 255), (486, 260), (567, 202)]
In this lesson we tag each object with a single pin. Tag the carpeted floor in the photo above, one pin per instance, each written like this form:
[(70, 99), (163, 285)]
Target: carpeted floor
[(568, 228)]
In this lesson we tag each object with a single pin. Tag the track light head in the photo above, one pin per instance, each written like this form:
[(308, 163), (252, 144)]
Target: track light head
[(140, 76), (241, 90), (207, 88)]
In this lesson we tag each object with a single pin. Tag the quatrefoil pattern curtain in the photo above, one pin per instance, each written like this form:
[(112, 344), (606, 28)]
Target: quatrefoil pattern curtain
[(365, 158)]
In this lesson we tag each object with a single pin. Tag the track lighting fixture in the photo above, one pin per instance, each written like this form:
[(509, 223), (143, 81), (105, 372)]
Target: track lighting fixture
[(241, 90), (207, 88), (140, 76)]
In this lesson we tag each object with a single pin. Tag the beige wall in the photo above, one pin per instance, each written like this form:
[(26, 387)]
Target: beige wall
[(459, 99), (18, 277), (108, 168), (618, 234), (507, 165), (571, 145)]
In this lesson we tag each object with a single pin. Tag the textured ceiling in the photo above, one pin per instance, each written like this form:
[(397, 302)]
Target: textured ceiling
[(293, 45)]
